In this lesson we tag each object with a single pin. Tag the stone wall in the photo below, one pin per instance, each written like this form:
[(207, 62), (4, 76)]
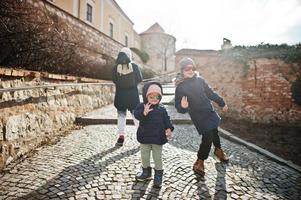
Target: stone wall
[(29, 118), (260, 93)]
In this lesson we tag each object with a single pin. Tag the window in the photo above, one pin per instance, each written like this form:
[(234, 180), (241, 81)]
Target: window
[(111, 29), (89, 13), (126, 41)]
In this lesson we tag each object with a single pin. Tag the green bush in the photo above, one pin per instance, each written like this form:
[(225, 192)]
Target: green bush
[(142, 54), (296, 90), (147, 73), (288, 53)]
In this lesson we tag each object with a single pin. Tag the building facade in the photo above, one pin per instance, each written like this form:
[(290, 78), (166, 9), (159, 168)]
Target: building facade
[(107, 17)]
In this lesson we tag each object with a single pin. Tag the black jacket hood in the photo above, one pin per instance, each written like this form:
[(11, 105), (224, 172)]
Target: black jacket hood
[(122, 58)]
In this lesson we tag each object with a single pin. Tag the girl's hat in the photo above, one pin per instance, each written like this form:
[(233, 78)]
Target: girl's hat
[(154, 88)]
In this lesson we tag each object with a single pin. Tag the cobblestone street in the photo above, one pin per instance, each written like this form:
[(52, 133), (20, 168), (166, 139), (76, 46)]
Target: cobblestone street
[(86, 165)]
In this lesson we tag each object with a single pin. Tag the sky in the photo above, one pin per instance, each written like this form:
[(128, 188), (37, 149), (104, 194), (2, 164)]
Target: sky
[(202, 24)]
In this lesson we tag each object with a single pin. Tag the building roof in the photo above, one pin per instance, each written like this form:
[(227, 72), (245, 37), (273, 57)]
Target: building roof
[(155, 28)]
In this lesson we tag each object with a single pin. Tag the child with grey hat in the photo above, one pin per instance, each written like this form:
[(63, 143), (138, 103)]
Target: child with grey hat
[(194, 95)]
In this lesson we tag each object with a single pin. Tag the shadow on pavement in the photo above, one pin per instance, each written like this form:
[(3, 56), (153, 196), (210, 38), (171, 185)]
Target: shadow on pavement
[(139, 188), (220, 184), (76, 177), (153, 193)]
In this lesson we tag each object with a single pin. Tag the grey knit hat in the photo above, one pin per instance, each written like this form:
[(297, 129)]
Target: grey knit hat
[(186, 61)]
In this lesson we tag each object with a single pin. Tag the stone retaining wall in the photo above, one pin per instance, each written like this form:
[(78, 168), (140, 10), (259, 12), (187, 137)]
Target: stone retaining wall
[(29, 118)]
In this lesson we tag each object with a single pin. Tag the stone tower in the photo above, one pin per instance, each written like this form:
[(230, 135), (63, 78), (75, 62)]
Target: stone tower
[(160, 46)]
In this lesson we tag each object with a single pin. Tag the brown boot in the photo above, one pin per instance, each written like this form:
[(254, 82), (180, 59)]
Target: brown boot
[(221, 155), (198, 167)]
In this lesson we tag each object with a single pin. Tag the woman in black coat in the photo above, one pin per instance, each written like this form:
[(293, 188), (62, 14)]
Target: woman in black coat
[(194, 95), (126, 75)]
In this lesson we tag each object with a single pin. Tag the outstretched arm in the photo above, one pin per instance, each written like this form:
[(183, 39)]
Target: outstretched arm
[(213, 96)]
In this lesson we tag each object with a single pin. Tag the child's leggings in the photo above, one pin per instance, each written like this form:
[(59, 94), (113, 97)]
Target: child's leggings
[(156, 150)]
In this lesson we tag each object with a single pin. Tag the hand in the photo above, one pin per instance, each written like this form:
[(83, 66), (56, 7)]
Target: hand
[(168, 133), (184, 102), (225, 108), (147, 109)]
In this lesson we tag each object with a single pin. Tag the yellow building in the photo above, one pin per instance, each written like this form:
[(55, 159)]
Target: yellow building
[(104, 15)]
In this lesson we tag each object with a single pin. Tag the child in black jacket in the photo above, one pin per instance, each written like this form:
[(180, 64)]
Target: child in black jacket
[(154, 129), (194, 95)]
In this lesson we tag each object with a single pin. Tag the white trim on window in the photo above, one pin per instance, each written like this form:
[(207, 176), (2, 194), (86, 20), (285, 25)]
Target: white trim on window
[(92, 4), (111, 28)]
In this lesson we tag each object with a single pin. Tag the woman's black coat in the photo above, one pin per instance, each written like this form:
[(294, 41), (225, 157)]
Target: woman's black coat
[(126, 99)]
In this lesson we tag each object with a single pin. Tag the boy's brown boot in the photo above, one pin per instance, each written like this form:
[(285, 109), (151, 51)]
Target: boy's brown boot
[(221, 155), (198, 167)]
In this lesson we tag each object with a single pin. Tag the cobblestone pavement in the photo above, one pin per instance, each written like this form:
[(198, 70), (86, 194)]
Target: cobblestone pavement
[(86, 165)]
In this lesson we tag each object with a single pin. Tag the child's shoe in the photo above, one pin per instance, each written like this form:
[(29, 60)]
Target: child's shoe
[(120, 140), (145, 175), (221, 155), (198, 167), (158, 178)]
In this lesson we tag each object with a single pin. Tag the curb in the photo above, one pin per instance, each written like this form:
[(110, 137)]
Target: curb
[(253, 147)]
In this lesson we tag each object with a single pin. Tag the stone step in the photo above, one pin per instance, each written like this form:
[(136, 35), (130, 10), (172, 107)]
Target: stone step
[(110, 112), (108, 115), (97, 121)]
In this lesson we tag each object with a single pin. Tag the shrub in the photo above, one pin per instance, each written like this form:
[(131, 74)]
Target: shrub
[(147, 73), (242, 54), (142, 54)]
